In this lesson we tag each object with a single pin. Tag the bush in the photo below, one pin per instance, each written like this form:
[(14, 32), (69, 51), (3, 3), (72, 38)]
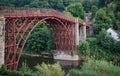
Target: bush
[(101, 67), (93, 67), (74, 72), (84, 47), (117, 47), (25, 70), (29, 74), (88, 73), (16, 73), (49, 70), (101, 46), (3, 70)]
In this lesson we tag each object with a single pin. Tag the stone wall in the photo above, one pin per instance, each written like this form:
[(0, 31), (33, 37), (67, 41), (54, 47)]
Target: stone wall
[(2, 39)]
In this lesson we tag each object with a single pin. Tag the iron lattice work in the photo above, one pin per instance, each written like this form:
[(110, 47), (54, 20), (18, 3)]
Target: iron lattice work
[(20, 22)]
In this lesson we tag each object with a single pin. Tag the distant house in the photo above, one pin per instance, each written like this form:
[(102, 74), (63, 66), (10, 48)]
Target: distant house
[(113, 33)]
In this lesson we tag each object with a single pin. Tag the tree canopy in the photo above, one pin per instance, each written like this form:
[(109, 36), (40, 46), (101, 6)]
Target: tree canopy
[(101, 21), (76, 10)]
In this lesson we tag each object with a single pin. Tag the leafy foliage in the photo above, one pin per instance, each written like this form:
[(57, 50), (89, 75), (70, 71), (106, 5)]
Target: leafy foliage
[(49, 70), (101, 46), (105, 40), (7, 2), (85, 48), (94, 10), (93, 67), (101, 21), (76, 10), (15, 73), (101, 67), (74, 72), (25, 68), (41, 40), (103, 3), (88, 4), (3, 70)]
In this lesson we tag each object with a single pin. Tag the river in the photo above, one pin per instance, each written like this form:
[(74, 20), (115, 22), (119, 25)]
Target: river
[(34, 60)]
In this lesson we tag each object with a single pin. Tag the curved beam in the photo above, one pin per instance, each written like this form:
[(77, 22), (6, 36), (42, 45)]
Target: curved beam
[(32, 30)]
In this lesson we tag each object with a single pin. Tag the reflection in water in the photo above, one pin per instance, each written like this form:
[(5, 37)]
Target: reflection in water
[(67, 65), (34, 60)]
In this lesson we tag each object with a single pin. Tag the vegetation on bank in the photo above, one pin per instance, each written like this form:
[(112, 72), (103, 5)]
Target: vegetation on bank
[(91, 67), (40, 70), (101, 46)]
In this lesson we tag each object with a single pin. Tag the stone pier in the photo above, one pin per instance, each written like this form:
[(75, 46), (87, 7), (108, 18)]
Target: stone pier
[(2, 39), (68, 55), (76, 32), (82, 33)]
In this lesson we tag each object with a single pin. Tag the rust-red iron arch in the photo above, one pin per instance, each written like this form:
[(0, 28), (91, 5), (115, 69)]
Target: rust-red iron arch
[(58, 28), (20, 23), (34, 27)]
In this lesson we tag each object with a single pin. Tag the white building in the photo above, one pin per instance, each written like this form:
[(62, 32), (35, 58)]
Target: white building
[(113, 33)]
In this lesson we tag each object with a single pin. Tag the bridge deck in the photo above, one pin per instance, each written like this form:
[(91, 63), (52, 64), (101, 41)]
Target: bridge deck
[(35, 12)]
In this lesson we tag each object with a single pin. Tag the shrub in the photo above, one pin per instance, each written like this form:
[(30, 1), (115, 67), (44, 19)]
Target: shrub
[(15, 73), (26, 71), (3, 70), (101, 46), (29, 74), (49, 70), (93, 67), (88, 73), (18, 73), (74, 72), (117, 47), (101, 67), (25, 68), (85, 48)]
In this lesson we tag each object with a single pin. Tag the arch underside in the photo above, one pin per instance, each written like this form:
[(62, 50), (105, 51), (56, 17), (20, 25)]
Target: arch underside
[(19, 29)]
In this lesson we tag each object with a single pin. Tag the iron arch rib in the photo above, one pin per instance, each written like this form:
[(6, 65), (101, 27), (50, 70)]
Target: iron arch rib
[(19, 26), (58, 30)]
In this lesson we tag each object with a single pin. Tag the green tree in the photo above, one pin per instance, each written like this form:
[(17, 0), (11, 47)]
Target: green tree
[(76, 10), (105, 41), (38, 4), (21, 3), (57, 4), (101, 21), (94, 10), (103, 3), (40, 40), (85, 48), (117, 47), (7, 2), (88, 4)]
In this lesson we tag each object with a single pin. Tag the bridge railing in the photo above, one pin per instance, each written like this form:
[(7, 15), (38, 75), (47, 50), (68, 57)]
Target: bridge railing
[(25, 12)]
